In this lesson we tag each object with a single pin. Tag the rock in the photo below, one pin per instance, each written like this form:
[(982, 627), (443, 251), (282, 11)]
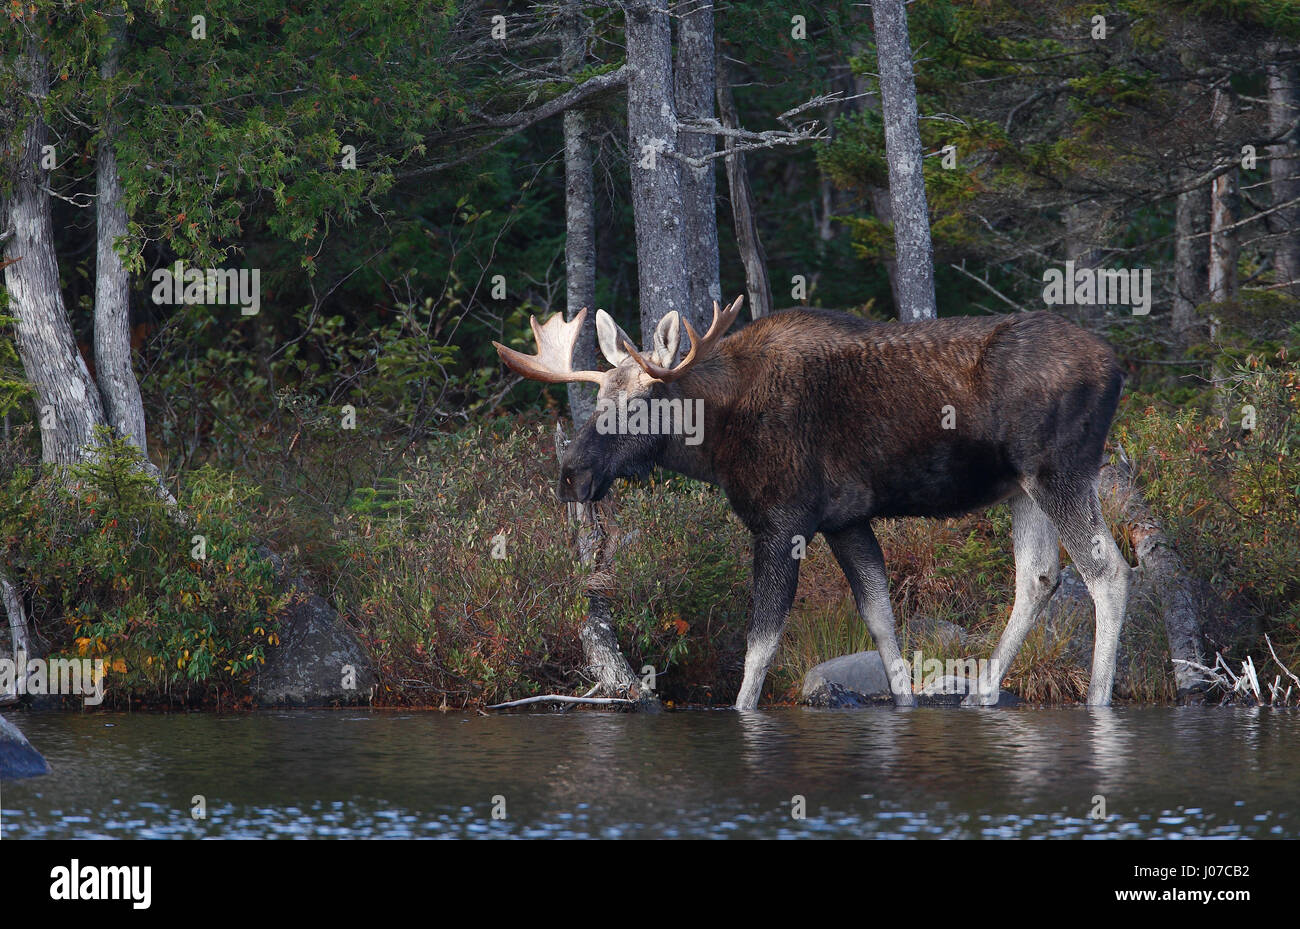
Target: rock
[(17, 757), (927, 628), (1068, 616), (859, 680), (310, 665), (849, 680)]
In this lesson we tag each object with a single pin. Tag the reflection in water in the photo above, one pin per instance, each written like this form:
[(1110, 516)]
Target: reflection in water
[(876, 772)]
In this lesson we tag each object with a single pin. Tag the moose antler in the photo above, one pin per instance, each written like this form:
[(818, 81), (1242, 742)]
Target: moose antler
[(553, 363), (700, 348)]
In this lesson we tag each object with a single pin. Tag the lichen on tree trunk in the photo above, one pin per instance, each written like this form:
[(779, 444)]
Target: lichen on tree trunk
[(67, 400), (694, 85), (912, 247), (113, 371), (656, 171)]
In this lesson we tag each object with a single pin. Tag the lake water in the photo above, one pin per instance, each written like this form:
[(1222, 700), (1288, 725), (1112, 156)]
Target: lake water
[(867, 773)]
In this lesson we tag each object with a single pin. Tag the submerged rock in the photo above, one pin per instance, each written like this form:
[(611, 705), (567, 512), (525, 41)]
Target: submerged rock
[(17, 757)]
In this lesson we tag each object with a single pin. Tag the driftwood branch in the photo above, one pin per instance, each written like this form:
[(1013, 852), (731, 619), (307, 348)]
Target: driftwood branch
[(561, 698)]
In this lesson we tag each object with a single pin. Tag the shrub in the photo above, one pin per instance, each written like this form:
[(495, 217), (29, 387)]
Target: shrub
[(111, 571), (1230, 496)]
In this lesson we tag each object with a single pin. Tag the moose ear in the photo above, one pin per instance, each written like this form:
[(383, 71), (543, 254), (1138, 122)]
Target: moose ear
[(668, 336), (611, 339)]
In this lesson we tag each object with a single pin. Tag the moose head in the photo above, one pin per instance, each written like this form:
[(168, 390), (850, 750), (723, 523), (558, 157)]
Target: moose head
[(602, 452)]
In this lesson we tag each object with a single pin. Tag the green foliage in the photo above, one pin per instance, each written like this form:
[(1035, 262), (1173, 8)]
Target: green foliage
[(111, 572), (14, 388)]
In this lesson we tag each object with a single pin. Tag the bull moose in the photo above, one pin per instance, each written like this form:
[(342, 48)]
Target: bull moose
[(817, 421)]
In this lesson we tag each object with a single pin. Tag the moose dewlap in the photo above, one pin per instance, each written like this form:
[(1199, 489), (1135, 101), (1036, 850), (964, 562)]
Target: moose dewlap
[(815, 421)]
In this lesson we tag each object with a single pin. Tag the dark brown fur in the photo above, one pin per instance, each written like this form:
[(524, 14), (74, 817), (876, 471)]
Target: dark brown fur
[(820, 421)]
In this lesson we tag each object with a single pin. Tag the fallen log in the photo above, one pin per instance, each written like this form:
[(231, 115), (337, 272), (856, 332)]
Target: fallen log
[(1176, 589)]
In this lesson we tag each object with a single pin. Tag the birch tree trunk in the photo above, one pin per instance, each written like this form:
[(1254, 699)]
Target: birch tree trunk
[(656, 174), (915, 254), (744, 214), (19, 642), (1284, 170), (694, 87), (1191, 259), (117, 383), (68, 404), (580, 221)]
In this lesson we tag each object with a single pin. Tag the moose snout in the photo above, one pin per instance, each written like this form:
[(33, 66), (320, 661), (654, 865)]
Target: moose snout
[(575, 485)]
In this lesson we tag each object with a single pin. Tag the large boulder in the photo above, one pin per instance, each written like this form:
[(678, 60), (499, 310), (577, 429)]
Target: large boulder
[(319, 661), (849, 680), (17, 757)]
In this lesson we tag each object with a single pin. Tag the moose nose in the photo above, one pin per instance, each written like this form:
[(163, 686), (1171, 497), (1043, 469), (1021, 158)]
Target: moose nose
[(575, 486)]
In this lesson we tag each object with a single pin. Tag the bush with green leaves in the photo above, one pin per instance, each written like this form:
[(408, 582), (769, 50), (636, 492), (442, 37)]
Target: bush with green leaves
[(175, 599)]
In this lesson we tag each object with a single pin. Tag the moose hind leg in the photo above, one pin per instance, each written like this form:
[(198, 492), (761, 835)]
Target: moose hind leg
[(1038, 571), (1076, 511), (776, 577), (863, 563)]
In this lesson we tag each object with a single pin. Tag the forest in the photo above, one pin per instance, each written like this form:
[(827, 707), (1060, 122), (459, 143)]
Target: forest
[(256, 256)]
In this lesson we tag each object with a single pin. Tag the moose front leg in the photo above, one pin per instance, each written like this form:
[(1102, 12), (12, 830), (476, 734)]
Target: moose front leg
[(776, 577), (863, 563)]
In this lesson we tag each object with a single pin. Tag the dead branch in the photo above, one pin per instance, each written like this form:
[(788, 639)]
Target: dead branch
[(560, 698)]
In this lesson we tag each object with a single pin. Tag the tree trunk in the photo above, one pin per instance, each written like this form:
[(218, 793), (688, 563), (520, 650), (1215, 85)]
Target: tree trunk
[(912, 246), (1081, 248), (656, 173), (694, 87), (580, 222), (1222, 282), (113, 371), (1191, 259), (19, 642), (743, 212), (595, 544), (68, 404), (1284, 170)]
